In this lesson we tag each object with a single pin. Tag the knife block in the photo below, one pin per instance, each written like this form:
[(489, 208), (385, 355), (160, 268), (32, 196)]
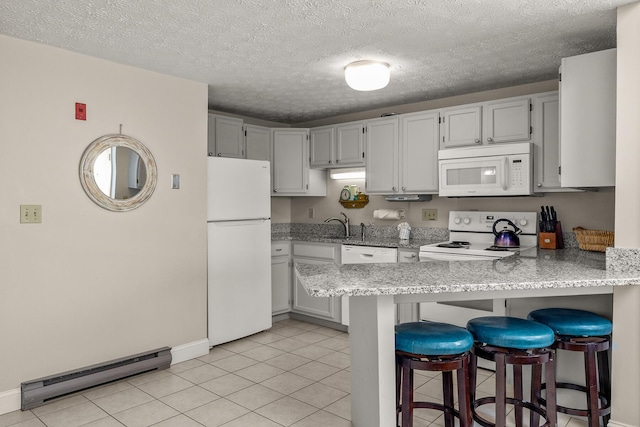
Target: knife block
[(551, 240)]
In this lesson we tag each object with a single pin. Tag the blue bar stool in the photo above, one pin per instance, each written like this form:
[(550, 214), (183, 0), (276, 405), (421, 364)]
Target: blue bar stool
[(586, 332), (515, 342), (439, 347)]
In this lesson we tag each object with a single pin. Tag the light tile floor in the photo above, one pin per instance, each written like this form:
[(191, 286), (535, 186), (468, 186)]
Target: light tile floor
[(296, 374)]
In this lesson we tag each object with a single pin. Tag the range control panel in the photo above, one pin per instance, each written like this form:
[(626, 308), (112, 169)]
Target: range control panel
[(482, 221)]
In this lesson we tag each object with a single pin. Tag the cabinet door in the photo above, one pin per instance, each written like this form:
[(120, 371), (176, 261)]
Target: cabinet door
[(326, 308), (382, 156), (546, 139), (419, 152), (290, 164), (349, 145), (507, 121), (461, 126), (258, 141), (588, 119), (321, 142), (229, 137), (280, 285)]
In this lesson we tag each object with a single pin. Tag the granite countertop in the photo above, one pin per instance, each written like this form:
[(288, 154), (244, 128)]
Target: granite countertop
[(565, 268), (385, 242)]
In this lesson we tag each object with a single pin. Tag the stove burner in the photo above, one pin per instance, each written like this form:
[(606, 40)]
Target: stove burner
[(500, 248), (455, 245), (460, 242)]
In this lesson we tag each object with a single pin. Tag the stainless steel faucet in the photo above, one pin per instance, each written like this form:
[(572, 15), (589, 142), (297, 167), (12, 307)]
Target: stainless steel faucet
[(362, 226), (345, 223)]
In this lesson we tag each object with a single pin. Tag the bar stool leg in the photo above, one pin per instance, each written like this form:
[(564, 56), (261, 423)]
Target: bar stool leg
[(501, 390), (536, 387), (447, 393), (592, 386), (550, 379), (603, 380), (517, 393), (407, 393), (464, 393)]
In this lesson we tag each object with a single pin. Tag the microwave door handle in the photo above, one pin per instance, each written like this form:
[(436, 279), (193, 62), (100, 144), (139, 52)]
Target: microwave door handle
[(505, 171)]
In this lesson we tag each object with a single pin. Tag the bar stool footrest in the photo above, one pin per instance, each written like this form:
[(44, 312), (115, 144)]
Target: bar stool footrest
[(605, 408), (509, 400)]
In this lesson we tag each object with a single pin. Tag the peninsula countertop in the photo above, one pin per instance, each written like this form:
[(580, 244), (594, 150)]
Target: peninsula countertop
[(543, 270)]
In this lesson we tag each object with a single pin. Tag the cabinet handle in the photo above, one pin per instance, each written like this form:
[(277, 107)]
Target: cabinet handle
[(275, 191), (337, 161), (393, 188), (278, 250), (477, 141), (210, 153), (489, 140), (404, 188), (329, 161), (539, 184), (219, 154)]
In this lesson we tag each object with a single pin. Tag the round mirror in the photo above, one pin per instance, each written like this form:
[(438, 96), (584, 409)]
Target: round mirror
[(118, 172)]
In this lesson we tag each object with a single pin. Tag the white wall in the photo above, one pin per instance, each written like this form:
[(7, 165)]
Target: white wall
[(625, 410), (88, 285)]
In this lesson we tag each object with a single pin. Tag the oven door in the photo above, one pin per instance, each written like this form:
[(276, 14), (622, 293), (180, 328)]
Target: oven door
[(479, 176)]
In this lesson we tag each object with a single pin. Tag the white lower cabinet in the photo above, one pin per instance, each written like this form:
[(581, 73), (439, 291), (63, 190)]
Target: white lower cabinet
[(280, 278), (315, 253)]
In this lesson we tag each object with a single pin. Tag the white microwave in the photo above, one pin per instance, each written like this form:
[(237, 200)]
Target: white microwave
[(496, 170)]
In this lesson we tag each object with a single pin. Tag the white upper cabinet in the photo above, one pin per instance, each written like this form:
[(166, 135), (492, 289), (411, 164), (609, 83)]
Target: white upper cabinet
[(419, 152), (258, 142), (461, 126), (588, 119), (349, 147), (546, 141), (382, 156), (504, 120), (507, 121), (321, 145), (290, 165), (226, 137), (337, 146)]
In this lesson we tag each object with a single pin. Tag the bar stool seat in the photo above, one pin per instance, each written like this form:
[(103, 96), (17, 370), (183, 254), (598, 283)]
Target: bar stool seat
[(516, 342), (586, 332), (439, 347)]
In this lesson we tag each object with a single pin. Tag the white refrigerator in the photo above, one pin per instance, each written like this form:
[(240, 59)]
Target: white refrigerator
[(239, 248)]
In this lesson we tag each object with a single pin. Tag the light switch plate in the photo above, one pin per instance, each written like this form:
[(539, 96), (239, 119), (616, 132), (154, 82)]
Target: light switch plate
[(175, 181), (30, 214)]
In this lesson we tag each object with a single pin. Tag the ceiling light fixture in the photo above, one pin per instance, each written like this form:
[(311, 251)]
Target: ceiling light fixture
[(367, 75)]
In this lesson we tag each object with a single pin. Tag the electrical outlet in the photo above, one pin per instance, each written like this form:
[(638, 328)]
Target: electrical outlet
[(30, 214), (429, 214), (310, 212)]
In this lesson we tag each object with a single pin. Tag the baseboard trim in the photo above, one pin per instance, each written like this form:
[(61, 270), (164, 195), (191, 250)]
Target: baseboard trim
[(189, 351), (612, 423), (9, 401)]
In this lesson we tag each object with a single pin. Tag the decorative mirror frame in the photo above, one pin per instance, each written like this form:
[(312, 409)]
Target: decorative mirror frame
[(88, 181)]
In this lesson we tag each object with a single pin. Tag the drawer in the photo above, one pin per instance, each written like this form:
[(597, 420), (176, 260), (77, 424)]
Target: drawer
[(327, 252), (280, 249)]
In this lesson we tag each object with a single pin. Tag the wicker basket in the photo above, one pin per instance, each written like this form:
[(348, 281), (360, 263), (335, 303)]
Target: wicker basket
[(593, 240)]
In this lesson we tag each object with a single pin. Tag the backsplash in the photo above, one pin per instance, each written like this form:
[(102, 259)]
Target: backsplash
[(426, 233)]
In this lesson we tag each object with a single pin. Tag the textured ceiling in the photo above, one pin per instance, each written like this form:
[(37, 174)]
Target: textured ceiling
[(283, 60)]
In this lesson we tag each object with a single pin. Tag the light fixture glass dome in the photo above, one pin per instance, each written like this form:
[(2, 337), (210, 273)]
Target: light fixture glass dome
[(367, 75)]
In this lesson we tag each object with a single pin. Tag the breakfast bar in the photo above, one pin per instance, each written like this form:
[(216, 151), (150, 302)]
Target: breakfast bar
[(374, 289)]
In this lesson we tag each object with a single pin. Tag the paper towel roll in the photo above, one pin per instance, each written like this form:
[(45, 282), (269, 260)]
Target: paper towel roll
[(388, 214)]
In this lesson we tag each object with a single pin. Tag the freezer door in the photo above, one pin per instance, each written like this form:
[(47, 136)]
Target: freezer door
[(237, 189), (239, 279)]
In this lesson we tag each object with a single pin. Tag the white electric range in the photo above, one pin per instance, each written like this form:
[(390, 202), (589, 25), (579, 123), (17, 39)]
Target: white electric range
[(471, 236)]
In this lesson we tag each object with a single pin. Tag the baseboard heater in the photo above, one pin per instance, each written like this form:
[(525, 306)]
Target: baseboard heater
[(40, 391)]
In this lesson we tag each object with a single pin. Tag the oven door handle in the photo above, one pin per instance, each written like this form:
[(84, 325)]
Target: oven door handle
[(505, 172)]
